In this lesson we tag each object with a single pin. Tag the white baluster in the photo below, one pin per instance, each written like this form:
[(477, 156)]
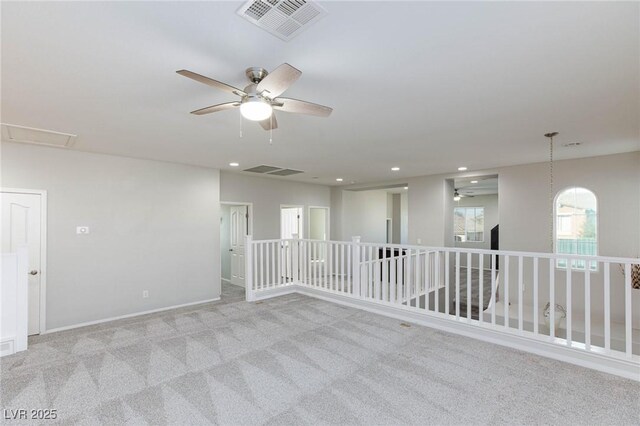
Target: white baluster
[(627, 310), (569, 310), (447, 301), (535, 295), (354, 267), (520, 290), (552, 298), (393, 297), (267, 261), (607, 307), (493, 289), (436, 303), (587, 307), (480, 286), (457, 285), (506, 291), (248, 265), (262, 267), (469, 285)]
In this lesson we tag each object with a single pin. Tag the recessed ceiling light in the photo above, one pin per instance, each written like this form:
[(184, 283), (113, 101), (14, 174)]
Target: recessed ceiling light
[(474, 181), (339, 179), (406, 187), (234, 164), (462, 169), (395, 169)]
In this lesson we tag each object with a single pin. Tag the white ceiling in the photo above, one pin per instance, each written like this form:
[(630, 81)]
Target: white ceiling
[(425, 86), (485, 185)]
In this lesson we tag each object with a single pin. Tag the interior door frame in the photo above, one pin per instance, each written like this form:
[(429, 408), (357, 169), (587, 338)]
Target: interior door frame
[(302, 218), (327, 220), (43, 248), (249, 226)]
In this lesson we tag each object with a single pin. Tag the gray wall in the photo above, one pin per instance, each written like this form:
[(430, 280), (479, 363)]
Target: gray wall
[(154, 226), (267, 194)]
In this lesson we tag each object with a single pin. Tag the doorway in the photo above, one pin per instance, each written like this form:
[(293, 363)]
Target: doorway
[(291, 222), (319, 223), (24, 223), (235, 225)]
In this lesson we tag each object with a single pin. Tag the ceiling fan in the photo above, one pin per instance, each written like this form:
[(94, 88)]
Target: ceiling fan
[(261, 97), (457, 196)]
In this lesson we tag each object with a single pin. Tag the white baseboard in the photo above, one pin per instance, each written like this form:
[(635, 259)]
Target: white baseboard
[(135, 314)]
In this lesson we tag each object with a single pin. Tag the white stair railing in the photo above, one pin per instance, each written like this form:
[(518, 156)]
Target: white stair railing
[(501, 292)]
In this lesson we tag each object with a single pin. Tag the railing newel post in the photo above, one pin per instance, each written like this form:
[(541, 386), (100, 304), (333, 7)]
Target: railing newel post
[(355, 264), (295, 259), (248, 268)]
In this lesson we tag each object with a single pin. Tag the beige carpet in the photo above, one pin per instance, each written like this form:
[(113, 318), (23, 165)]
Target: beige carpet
[(296, 360)]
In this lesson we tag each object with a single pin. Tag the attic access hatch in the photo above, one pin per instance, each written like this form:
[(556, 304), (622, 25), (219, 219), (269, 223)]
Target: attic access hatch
[(15, 133), (284, 19)]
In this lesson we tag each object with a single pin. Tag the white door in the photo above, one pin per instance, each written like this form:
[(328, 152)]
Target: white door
[(290, 222), (21, 226), (238, 231)]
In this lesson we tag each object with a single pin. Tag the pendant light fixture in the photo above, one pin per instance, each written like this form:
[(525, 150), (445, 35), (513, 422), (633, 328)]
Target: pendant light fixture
[(550, 136)]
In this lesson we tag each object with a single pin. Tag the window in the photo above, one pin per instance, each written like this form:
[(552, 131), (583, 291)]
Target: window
[(576, 226), (468, 224)]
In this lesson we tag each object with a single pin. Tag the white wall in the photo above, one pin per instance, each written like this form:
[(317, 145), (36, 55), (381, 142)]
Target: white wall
[(364, 214), (404, 218), (267, 194), (525, 217), (154, 226)]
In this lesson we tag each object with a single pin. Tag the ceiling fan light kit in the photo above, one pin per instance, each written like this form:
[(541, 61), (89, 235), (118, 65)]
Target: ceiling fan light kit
[(260, 98), (256, 109)]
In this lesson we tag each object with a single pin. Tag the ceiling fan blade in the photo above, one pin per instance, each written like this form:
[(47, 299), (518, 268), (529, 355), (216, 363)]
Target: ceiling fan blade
[(269, 123), (216, 108), (211, 82), (301, 107), (279, 80)]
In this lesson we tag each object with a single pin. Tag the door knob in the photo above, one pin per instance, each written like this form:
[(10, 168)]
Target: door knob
[(34, 272)]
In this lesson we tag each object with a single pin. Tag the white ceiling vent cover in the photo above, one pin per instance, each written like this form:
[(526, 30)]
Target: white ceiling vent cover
[(284, 19), (15, 133)]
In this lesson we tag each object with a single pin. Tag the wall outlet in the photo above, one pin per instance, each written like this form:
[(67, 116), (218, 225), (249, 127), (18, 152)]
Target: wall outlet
[(82, 230), (145, 294), (419, 240)]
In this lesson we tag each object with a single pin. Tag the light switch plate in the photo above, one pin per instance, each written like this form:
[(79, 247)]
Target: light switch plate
[(82, 230)]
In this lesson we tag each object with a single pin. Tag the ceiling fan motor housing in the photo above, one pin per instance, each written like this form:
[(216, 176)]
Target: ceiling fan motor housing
[(256, 74)]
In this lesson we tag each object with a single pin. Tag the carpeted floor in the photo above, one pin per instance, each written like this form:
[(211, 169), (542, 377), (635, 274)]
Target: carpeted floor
[(297, 360)]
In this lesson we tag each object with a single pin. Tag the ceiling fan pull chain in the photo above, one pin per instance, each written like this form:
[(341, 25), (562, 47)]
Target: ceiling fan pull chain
[(271, 130)]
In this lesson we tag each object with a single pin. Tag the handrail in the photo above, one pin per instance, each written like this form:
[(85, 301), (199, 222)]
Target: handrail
[(611, 259)]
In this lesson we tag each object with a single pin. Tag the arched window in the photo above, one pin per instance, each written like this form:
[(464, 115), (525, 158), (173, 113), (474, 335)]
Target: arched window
[(576, 225)]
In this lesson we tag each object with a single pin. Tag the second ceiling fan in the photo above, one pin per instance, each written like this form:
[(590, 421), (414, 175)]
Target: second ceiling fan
[(260, 98)]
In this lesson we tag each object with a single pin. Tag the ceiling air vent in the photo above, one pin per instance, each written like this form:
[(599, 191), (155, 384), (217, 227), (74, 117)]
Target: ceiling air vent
[(284, 19), (15, 133), (262, 169), (272, 170), (285, 172)]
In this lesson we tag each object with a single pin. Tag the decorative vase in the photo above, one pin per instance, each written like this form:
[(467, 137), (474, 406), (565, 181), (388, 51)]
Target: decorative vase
[(560, 313)]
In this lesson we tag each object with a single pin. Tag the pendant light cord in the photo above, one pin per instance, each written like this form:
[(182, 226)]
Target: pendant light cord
[(551, 191)]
